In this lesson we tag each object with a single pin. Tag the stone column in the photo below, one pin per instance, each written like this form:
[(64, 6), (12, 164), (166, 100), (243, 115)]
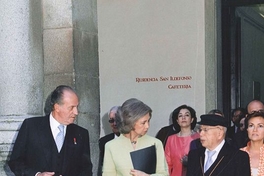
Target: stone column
[(86, 61), (213, 62), (70, 38), (21, 69)]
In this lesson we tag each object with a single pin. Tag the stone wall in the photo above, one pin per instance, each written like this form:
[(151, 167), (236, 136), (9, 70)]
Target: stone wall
[(47, 43)]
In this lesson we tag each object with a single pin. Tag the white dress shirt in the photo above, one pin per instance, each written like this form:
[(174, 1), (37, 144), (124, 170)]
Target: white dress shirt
[(217, 149), (54, 127)]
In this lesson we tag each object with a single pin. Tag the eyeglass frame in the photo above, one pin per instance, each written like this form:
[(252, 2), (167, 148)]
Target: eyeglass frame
[(111, 120)]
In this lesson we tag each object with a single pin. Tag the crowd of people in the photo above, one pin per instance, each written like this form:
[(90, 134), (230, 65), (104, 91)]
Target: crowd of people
[(53, 145), (212, 146)]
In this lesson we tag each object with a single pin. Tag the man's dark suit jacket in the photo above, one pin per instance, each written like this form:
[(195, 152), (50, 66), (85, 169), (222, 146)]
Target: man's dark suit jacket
[(229, 162), (231, 131), (102, 142), (165, 132), (33, 148), (241, 139)]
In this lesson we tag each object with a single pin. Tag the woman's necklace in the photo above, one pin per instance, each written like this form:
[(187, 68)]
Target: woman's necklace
[(180, 134), (133, 142), (261, 160)]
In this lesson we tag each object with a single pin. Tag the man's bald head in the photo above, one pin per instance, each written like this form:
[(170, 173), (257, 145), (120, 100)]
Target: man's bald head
[(255, 106)]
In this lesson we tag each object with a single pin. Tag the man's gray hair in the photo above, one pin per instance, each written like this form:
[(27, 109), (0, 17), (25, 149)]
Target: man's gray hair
[(113, 109)]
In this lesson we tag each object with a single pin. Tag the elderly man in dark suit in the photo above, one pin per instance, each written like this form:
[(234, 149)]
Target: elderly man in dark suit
[(216, 157), (53, 144), (108, 137)]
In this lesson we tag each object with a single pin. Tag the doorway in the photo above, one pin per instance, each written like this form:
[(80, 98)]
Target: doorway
[(242, 52)]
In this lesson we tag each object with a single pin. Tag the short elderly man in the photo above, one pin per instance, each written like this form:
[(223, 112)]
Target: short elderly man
[(216, 157), (106, 138)]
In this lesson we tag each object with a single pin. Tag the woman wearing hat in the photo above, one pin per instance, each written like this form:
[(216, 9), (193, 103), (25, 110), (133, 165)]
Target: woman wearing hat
[(178, 145)]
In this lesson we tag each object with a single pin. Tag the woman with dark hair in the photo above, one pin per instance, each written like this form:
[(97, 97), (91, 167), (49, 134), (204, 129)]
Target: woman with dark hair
[(178, 145), (132, 120), (254, 124)]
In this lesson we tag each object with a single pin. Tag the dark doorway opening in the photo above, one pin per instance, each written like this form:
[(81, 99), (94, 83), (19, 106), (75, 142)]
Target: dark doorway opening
[(232, 90)]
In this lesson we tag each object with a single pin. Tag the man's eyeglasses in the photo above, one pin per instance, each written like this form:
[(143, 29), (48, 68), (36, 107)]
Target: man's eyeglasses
[(207, 129), (111, 120)]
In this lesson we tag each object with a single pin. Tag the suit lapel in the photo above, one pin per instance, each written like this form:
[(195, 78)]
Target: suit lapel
[(202, 158), (46, 138), (70, 145), (112, 136), (221, 161)]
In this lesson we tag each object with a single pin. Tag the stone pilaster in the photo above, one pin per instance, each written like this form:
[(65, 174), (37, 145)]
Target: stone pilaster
[(21, 69)]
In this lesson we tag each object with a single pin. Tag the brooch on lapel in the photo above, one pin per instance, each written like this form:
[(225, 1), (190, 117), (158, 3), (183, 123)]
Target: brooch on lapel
[(74, 141)]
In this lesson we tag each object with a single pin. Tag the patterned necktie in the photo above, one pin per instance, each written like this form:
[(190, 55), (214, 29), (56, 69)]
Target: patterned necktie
[(60, 137), (209, 161)]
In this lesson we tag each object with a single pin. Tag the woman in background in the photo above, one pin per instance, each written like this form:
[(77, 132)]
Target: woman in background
[(178, 145), (133, 119), (254, 124)]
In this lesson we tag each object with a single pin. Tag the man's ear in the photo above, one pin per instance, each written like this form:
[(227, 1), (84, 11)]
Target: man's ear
[(222, 133), (56, 107)]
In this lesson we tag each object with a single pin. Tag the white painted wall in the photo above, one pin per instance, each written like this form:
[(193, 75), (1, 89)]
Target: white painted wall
[(151, 39)]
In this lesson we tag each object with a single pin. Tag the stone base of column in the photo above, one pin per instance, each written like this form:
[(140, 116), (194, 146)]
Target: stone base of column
[(9, 126)]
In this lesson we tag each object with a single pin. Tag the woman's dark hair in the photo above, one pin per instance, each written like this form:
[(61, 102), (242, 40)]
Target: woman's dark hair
[(130, 111), (250, 116), (176, 112)]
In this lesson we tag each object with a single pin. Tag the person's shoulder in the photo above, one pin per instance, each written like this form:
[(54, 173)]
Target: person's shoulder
[(115, 142), (195, 135), (198, 151), (233, 150), (165, 128), (107, 137), (152, 139), (229, 145), (172, 137), (239, 155), (35, 119), (243, 153), (77, 127)]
